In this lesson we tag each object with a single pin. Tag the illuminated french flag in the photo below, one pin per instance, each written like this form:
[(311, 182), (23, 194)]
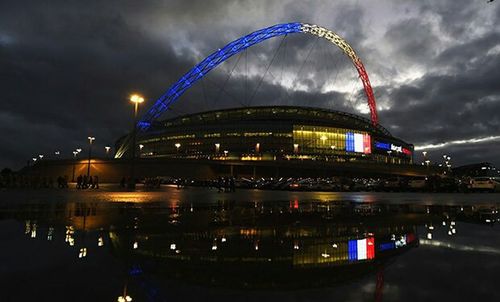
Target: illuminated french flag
[(361, 249), (357, 142)]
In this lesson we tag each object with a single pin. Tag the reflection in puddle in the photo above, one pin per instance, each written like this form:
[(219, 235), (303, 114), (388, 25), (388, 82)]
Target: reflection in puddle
[(279, 245)]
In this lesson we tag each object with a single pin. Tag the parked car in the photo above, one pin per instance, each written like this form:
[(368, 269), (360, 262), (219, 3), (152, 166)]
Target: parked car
[(490, 184), (392, 184), (417, 184)]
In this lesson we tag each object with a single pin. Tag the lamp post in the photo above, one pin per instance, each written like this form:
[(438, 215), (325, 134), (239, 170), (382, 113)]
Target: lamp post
[(124, 297), (107, 150), (136, 99), (333, 150), (75, 153), (177, 146), (91, 139), (140, 149), (217, 148)]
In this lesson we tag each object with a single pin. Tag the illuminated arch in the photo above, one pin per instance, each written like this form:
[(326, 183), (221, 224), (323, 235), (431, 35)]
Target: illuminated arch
[(219, 56)]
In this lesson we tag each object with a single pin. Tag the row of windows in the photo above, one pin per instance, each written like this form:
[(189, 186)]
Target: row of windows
[(216, 135), (303, 140), (312, 138)]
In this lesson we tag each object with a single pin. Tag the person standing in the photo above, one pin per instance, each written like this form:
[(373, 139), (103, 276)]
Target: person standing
[(79, 180), (96, 182), (85, 182), (91, 182)]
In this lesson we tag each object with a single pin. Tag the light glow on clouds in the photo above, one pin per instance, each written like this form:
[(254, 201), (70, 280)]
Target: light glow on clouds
[(460, 247), (459, 142)]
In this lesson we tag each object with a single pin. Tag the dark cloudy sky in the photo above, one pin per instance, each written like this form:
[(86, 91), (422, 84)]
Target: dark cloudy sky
[(68, 67)]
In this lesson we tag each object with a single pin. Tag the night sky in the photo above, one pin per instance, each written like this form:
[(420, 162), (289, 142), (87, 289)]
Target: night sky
[(67, 68)]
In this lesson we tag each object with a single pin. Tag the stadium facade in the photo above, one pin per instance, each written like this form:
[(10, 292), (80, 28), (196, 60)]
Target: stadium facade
[(272, 133)]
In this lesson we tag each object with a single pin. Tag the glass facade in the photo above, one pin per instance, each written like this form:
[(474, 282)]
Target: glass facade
[(274, 133), (314, 139)]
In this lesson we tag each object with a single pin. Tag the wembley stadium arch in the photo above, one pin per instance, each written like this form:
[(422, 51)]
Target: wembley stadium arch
[(196, 73)]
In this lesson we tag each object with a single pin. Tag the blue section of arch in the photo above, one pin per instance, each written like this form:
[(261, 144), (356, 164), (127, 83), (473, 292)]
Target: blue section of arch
[(209, 63)]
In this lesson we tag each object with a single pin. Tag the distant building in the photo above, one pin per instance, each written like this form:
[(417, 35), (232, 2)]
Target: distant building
[(477, 170)]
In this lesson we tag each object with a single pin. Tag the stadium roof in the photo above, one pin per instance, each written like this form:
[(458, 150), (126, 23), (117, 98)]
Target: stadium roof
[(298, 114)]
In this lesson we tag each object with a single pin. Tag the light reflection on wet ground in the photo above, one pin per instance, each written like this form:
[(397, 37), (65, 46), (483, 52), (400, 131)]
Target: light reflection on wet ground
[(195, 244), (171, 193)]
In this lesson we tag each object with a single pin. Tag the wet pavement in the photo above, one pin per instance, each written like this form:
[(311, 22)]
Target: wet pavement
[(197, 244)]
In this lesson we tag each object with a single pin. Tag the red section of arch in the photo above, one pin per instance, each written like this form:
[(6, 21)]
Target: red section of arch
[(368, 90)]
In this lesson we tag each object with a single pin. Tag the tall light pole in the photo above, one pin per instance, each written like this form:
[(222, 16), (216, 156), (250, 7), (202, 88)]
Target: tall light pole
[(75, 153), (333, 151), (140, 149), (136, 99), (91, 139), (107, 150)]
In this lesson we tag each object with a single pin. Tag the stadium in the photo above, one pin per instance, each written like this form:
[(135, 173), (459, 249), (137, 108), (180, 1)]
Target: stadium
[(287, 137), (268, 141), (272, 133)]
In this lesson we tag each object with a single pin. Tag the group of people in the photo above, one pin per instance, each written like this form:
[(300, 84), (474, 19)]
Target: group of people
[(32, 181), (62, 182), (87, 182), (226, 184)]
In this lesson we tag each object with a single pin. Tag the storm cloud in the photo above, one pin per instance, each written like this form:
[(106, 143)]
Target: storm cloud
[(68, 67)]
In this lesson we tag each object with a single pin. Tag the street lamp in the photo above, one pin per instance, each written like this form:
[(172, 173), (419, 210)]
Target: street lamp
[(91, 139), (136, 99), (40, 155), (75, 153), (295, 148), (177, 145), (257, 148), (124, 297), (107, 150), (333, 150), (217, 148), (57, 153), (140, 149)]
